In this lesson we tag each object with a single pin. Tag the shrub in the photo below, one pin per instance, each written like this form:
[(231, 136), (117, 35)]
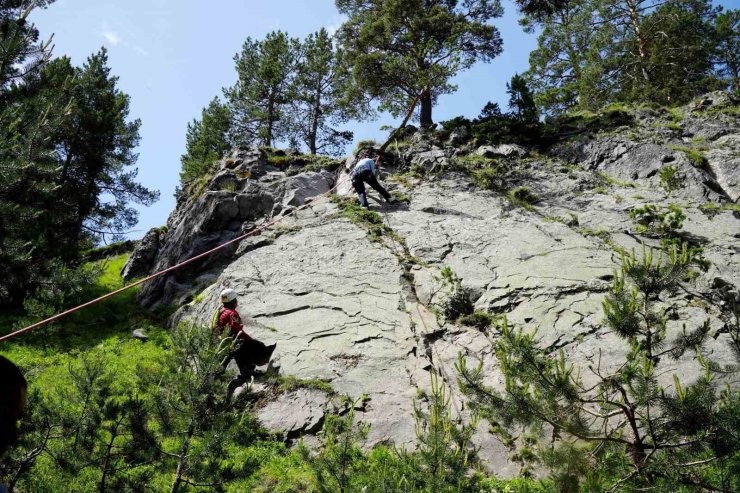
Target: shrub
[(663, 222), (479, 319), (491, 178), (523, 197), (695, 156), (459, 301), (670, 179)]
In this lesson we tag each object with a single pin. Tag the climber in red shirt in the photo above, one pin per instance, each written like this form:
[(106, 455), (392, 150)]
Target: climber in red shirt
[(247, 352)]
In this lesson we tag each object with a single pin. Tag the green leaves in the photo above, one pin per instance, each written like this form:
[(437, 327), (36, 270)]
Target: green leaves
[(399, 49)]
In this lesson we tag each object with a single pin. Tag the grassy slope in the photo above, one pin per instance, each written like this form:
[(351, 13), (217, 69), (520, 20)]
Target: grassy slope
[(103, 329)]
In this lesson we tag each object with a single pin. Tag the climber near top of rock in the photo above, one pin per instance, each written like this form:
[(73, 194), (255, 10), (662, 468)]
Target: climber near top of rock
[(365, 171), (247, 352)]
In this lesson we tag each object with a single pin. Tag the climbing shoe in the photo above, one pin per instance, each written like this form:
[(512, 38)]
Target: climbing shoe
[(392, 200)]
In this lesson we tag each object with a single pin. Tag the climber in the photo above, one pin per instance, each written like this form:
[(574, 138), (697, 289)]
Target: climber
[(365, 171), (13, 388), (247, 351)]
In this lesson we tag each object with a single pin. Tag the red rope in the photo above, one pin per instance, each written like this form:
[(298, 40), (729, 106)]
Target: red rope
[(165, 271)]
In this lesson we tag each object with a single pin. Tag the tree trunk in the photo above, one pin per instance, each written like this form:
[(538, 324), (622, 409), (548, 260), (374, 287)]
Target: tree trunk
[(426, 109), (641, 41), (180, 472)]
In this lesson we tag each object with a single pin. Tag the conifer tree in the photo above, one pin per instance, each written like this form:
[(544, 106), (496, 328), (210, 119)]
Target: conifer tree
[(618, 427), (521, 100), (258, 100), (206, 140), (400, 49), (317, 92), (727, 54)]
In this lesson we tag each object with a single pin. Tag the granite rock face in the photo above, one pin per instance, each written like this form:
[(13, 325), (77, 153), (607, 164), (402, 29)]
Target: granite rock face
[(361, 315)]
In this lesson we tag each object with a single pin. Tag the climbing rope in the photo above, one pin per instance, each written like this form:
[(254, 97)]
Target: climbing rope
[(252, 232), (201, 255)]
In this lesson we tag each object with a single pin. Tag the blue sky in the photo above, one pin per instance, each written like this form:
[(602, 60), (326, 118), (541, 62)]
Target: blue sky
[(174, 56)]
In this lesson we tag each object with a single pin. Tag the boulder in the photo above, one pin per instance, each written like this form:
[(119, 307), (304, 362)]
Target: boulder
[(431, 160), (504, 150), (142, 258)]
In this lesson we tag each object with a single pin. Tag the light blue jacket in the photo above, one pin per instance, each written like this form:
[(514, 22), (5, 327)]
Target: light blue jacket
[(362, 165)]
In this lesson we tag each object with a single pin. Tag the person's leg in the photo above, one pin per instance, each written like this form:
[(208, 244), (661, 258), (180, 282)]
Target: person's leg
[(360, 189), (373, 182), (246, 367)]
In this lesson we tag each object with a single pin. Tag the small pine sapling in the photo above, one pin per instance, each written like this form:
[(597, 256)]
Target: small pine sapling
[(617, 428)]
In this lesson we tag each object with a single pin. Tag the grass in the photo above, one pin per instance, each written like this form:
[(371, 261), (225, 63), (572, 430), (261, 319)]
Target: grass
[(695, 156), (613, 181), (369, 220), (523, 197), (481, 320), (710, 209), (105, 327), (290, 383)]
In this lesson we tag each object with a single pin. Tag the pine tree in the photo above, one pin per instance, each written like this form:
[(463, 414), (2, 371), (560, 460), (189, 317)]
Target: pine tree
[(318, 89), (566, 70), (617, 427), (521, 100), (727, 54), (206, 140), (258, 100), (400, 49)]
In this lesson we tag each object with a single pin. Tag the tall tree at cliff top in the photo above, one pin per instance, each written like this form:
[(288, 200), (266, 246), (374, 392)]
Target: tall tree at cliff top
[(261, 94), (662, 51), (565, 70), (206, 140), (319, 96), (591, 52), (727, 54), (399, 49)]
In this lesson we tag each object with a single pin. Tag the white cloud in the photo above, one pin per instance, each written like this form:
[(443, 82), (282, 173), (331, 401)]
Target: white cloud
[(111, 37)]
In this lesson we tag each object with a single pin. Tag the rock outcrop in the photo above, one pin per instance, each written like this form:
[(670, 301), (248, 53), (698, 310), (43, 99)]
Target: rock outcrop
[(360, 314)]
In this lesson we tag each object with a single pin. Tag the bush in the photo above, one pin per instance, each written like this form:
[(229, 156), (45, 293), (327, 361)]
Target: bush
[(670, 179), (663, 222), (479, 319), (523, 197), (492, 178)]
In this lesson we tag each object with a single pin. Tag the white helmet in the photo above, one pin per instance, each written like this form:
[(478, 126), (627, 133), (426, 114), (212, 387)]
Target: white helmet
[(228, 295)]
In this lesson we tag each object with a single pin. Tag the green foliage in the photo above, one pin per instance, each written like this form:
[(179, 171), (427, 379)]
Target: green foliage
[(710, 209), (457, 301), (491, 178), (592, 52), (695, 156), (479, 319), (727, 27), (615, 428), (260, 97), (523, 197), (663, 222), (206, 141), (670, 179), (613, 181), (399, 49), (290, 383), (320, 98), (370, 221), (67, 155)]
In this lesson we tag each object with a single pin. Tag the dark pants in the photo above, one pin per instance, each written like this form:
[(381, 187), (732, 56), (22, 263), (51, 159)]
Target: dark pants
[(359, 183), (247, 354)]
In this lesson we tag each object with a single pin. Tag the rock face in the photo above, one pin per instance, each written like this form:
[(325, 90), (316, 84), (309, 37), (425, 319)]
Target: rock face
[(360, 314), (245, 192)]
